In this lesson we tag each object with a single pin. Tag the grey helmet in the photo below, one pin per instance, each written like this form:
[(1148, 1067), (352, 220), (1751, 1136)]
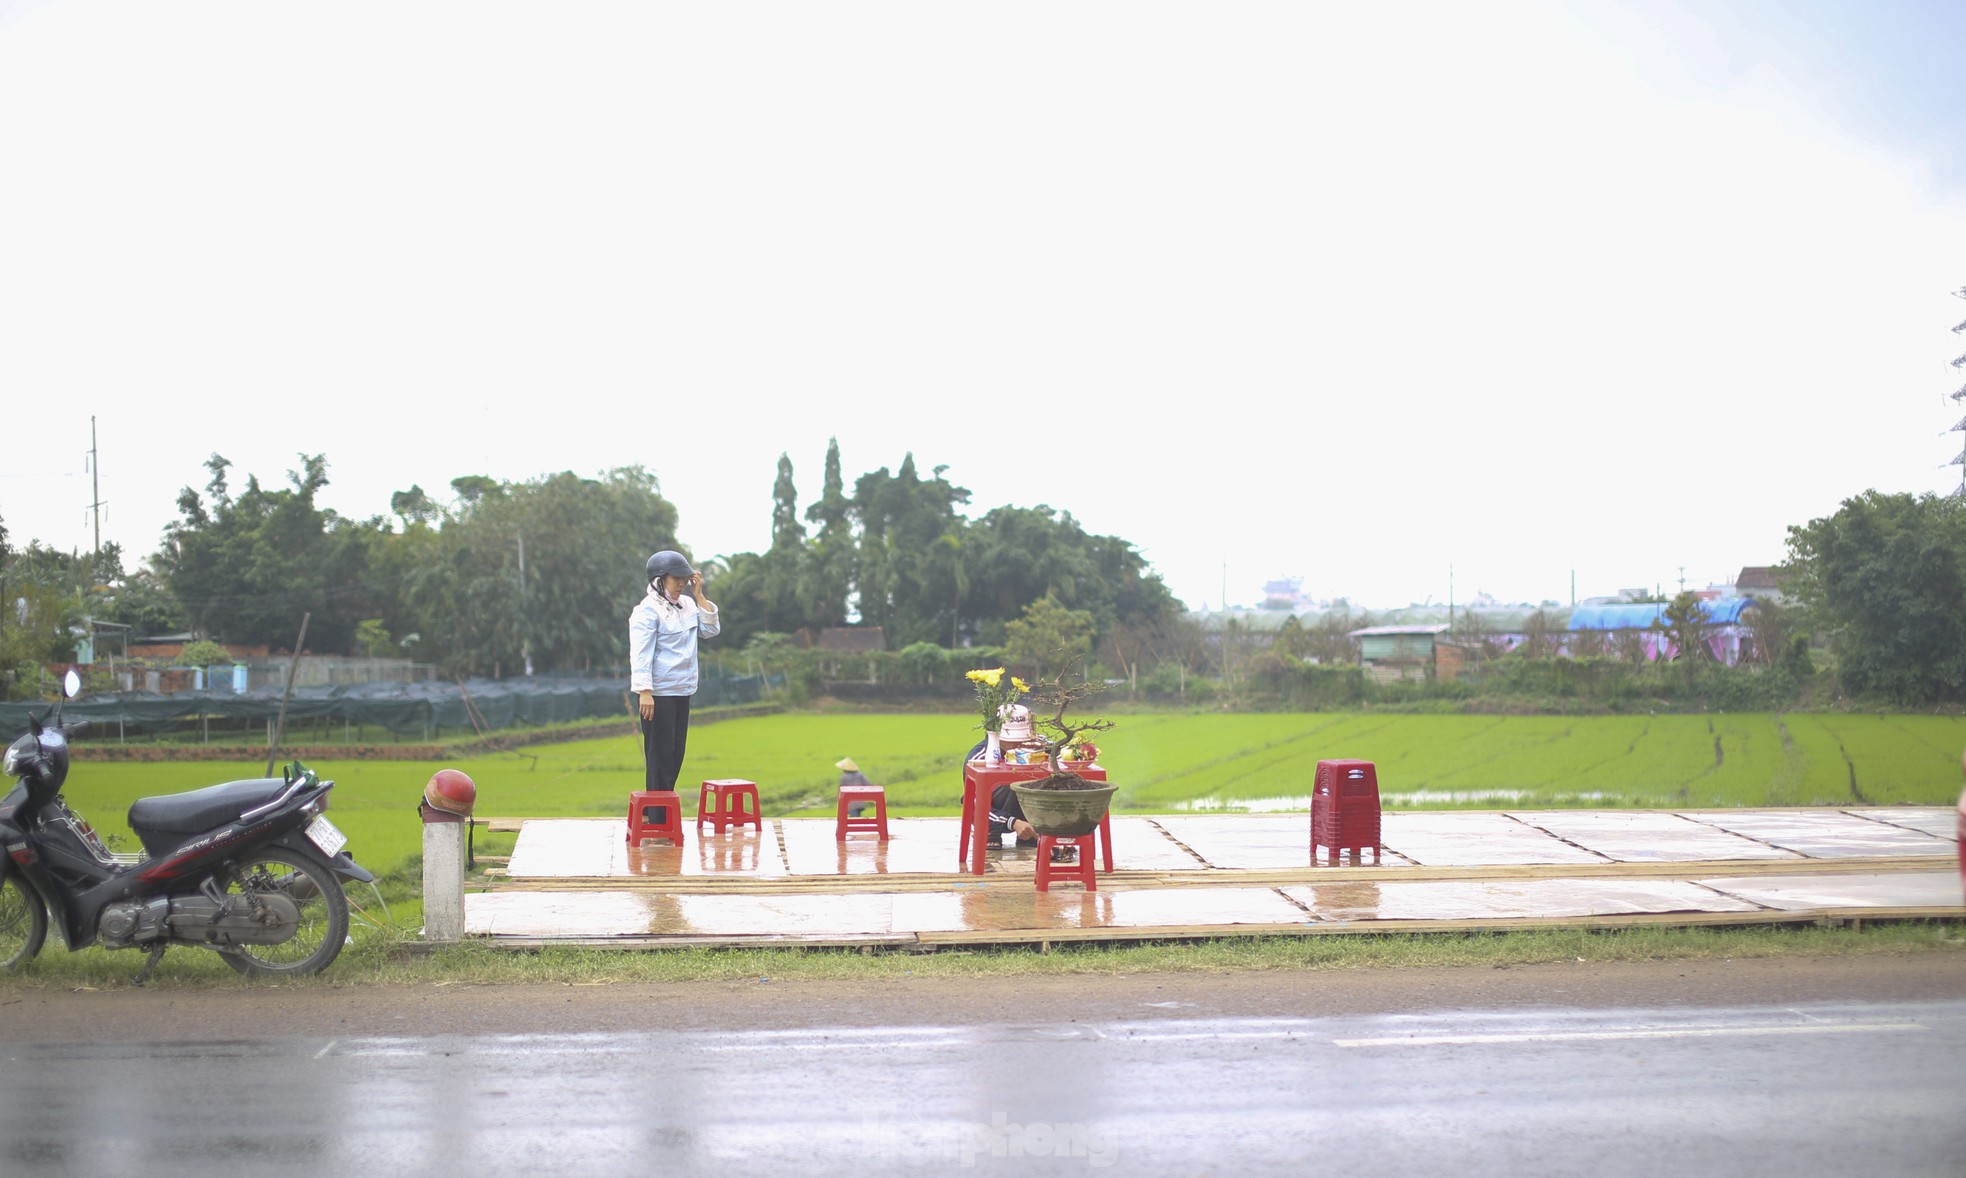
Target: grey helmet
[(668, 563)]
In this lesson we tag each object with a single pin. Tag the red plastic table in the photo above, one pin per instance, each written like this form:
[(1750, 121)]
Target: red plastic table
[(980, 780)]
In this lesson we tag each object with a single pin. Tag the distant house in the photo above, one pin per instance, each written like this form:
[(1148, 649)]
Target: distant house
[(1760, 581), (1391, 654)]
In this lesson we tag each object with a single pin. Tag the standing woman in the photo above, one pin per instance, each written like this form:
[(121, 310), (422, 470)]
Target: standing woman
[(662, 634)]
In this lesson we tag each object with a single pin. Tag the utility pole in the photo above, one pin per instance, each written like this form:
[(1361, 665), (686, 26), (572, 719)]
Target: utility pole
[(1960, 397), (525, 641), (95, 484)]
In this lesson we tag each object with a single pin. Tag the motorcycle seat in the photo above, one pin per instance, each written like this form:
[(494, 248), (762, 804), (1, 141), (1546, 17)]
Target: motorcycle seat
[(202, 809)]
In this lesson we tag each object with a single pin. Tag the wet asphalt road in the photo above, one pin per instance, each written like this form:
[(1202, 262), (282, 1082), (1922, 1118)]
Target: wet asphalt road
[(1794, 1089)]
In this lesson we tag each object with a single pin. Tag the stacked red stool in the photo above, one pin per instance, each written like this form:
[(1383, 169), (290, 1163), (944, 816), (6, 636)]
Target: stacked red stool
[(1345, 808), (655, 814), (1085, 867), (728, 801), (844, 825)]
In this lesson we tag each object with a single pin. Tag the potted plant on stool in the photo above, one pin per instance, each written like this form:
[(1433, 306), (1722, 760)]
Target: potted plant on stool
[(1062, 803)]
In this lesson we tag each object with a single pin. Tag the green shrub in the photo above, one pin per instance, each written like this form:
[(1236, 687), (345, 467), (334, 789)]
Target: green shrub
[(924, 663)]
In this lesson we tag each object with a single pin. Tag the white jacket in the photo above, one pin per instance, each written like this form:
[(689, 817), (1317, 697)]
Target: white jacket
[(662, 638)]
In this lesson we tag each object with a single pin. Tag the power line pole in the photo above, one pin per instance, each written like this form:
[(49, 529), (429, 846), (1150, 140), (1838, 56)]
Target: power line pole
[(525, 620), (95, 485), (1960, 397)]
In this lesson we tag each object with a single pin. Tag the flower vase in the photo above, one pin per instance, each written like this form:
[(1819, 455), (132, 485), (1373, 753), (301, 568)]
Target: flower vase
[(994, 754)]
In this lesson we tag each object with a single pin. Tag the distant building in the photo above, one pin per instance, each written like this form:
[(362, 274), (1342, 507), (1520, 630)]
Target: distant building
[(1283, 594), (1391, 654), (1760, 581), (1729, 639)]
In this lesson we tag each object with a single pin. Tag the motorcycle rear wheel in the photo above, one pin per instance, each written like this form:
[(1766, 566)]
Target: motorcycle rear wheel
[(23, 922), (323, 914)]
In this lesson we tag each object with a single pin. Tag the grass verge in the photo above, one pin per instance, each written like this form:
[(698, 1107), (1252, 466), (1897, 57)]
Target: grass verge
[(381, 959)]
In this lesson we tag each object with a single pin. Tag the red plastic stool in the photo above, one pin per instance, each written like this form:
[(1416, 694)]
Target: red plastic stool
[(655, 814), (1345, 809), (1106, 838), (1086, 868), (722, 802), (849, 794)]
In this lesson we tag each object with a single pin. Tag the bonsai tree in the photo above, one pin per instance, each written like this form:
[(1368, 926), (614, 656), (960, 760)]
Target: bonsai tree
[(1059, 695)]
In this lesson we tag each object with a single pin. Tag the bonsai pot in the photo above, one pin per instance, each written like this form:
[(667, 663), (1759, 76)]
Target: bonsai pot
[(1066, 811)]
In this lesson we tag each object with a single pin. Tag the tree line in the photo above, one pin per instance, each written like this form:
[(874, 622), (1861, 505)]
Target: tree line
[(502, 579), (896, 552)]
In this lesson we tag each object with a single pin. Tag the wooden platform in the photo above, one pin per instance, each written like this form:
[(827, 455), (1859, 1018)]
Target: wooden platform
[(576, 881)]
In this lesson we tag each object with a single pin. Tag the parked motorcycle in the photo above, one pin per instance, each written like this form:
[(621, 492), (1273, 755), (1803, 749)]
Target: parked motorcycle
[(250, 869)]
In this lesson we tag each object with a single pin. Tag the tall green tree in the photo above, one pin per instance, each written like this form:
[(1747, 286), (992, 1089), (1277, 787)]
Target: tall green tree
[(247, 567), (1885, 579), (785, 562), (738, 586), (906, 580), (542, 573), (828, 585), (1015, 556)]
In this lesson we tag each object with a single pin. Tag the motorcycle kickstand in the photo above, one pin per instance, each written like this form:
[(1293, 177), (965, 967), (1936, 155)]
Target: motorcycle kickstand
[(156, 955)]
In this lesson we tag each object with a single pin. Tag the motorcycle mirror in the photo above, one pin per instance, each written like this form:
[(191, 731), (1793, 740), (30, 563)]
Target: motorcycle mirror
[(71, 684)]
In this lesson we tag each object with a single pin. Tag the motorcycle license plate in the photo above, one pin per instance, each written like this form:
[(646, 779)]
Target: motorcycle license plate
[(324, 835)]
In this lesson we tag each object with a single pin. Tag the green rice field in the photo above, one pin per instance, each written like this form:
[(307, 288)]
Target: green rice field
[(1163, 763)]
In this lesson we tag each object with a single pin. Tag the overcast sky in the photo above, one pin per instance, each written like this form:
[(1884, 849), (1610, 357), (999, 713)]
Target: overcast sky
[(1359, 293)]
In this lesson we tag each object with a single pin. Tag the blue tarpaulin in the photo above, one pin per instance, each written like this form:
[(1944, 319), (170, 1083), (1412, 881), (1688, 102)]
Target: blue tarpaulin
[(1720, 611)]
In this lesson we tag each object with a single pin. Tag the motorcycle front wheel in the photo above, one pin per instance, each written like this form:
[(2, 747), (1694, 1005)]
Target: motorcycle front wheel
[(23, 922), (323, 914)]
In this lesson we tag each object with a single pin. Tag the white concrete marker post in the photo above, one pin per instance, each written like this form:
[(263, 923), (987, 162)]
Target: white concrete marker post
[(446, 811)]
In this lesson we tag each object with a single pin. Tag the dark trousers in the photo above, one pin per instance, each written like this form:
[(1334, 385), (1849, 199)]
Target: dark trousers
[(664, 737), (1004, 807), (1003, 803)]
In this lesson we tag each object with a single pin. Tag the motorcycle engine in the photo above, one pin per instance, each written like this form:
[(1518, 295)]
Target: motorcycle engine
[(133, 922), (269, 921), (267, 918)]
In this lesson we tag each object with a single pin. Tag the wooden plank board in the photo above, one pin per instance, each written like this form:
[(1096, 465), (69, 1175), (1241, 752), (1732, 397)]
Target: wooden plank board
[(1045, 937), (497, 880)]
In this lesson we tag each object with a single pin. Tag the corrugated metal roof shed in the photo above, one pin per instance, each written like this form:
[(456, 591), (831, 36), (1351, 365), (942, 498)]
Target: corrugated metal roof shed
[(1379, 644), (1377, 631)]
